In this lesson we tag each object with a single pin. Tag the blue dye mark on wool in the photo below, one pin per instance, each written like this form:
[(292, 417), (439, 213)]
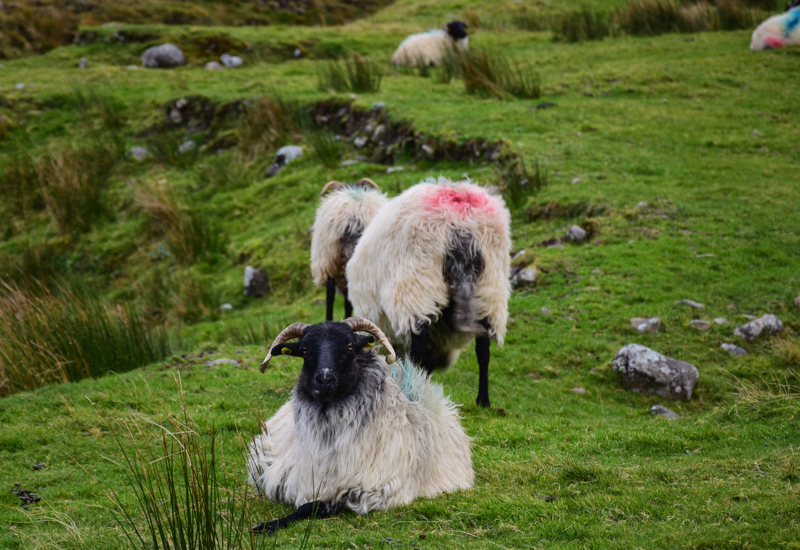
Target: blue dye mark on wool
[(355, 192), (408, 377), (792, 21)]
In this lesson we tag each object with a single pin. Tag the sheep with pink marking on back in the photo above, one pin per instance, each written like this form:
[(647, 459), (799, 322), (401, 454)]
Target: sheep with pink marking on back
[(778, 31), (432, 270), (342, 215), (430, 48)]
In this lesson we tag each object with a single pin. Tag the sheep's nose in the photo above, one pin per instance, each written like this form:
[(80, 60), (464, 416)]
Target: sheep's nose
[(325, 381)]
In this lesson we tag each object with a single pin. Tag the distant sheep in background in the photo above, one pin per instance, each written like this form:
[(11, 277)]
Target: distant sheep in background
[(339, 223), (432, 270), (360, 432), (430, 48), (779, 30)]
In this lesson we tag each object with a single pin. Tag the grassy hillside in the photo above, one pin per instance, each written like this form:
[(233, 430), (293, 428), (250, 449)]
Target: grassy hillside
[(695, 125)]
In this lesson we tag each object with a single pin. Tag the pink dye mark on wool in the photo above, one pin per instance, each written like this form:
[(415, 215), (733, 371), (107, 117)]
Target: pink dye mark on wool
[(775, 42), (460, 200)]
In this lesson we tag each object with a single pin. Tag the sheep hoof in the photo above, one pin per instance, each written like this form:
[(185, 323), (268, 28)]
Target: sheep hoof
[(482, 401), (265, 528)]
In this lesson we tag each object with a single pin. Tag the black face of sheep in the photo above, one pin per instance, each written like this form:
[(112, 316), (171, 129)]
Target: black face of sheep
[(456, 29), (331, 357)]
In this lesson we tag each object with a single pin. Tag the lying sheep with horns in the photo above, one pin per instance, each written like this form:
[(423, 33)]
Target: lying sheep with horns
[(342, 215), (359, 432)]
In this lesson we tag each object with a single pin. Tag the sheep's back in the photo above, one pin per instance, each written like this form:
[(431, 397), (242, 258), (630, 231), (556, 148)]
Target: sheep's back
[(426, 48), (340, 219)]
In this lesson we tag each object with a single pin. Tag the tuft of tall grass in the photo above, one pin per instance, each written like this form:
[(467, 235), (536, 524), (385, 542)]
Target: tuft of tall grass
[(353, 73), (165, 146), (186, 498), (268, 123), (188, 232), (73, 183), (492, 74), (67, 335), (450, 67), (19, 184), (517, 184), (327, 147), (110, 109), (225, 173), (580, 25)]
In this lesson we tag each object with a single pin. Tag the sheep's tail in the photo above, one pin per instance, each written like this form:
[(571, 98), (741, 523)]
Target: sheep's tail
[(463, 264)]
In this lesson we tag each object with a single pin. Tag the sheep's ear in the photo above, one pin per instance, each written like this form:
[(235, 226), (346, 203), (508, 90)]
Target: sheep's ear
[(363, 340), (287, 348)]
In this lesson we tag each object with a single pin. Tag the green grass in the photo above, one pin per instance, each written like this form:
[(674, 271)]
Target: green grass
[(668, 120)]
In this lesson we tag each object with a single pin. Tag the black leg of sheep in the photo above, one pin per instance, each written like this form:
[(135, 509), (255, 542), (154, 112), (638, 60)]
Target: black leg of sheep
[(313, 510), (329, 299), (348, 307), (482, 351)]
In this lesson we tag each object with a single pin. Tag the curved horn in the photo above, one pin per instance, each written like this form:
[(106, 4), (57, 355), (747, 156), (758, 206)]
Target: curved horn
[(330, 186), (292, 331), (365, 325), (367, 181)]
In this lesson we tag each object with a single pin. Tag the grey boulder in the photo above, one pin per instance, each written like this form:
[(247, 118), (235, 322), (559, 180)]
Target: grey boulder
[(163, 56), (658, 410), (138, 153), (768, 323), (231, 61), (646, 371), (576, 234), (256, 283), (700, 324)]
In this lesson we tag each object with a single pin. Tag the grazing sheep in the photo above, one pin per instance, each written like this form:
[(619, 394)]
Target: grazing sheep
[(341, 219), (430, 48), (357, 432), (432, 269), (778, 31)]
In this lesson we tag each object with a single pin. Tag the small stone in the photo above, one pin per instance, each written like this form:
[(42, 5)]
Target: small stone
[(163, 56), (733, 349), (138, 153), (576, 181), (19, 86), (756, 133), (641, 206), (768, 323), (297, 53), (38, 466), (750, 317), (797, 302), (226, 307), (579, 134), (700, 324), (256, 283), (576, 233), (526, 276), (578, 389), (131, 67), (645, 324), (546, 312), (187, 146), (223, 361), (214, 66), (658, 410), (231, 61), (83, 63), (359, 142), (731, 306), (690, 303), (318, 303), (378, 105), (646, 371), (721, 320), (395, 169), (428, 151), (350, 162), (533, 375)]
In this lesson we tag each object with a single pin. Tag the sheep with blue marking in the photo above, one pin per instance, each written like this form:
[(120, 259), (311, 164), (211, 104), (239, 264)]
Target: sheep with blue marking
[(430, 48), (342, 215), (361, 432), (432, 270), (778, 31)]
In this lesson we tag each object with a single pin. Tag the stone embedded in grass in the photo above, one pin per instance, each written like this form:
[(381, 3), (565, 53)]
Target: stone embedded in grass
[(641, 206), (395, 169), (658, 410), (646, 371), (721, 320), (576, 181), (525, 276), (131, 67), (690, 303), (256, 282), (187, 146), (19, 86), (579, 390), (163, 56), (645, 324), (222, 361), (768, 323), (700, 324), (214, 66), (38, 466), (546, 312), (797, 302), (83, 63), (733, 349), (138, 153), (231, 61), (284, 156), (226, 307), (576, 234)]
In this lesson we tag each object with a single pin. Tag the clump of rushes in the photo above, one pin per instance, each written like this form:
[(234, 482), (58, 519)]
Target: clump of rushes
[(186, 499), (491, 74), (518, 184), (73, 183), (327, 147), (67, 335), (353, 73), (165, 146), (580, 25), (19, 184), (268, 123), (187, 231)]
